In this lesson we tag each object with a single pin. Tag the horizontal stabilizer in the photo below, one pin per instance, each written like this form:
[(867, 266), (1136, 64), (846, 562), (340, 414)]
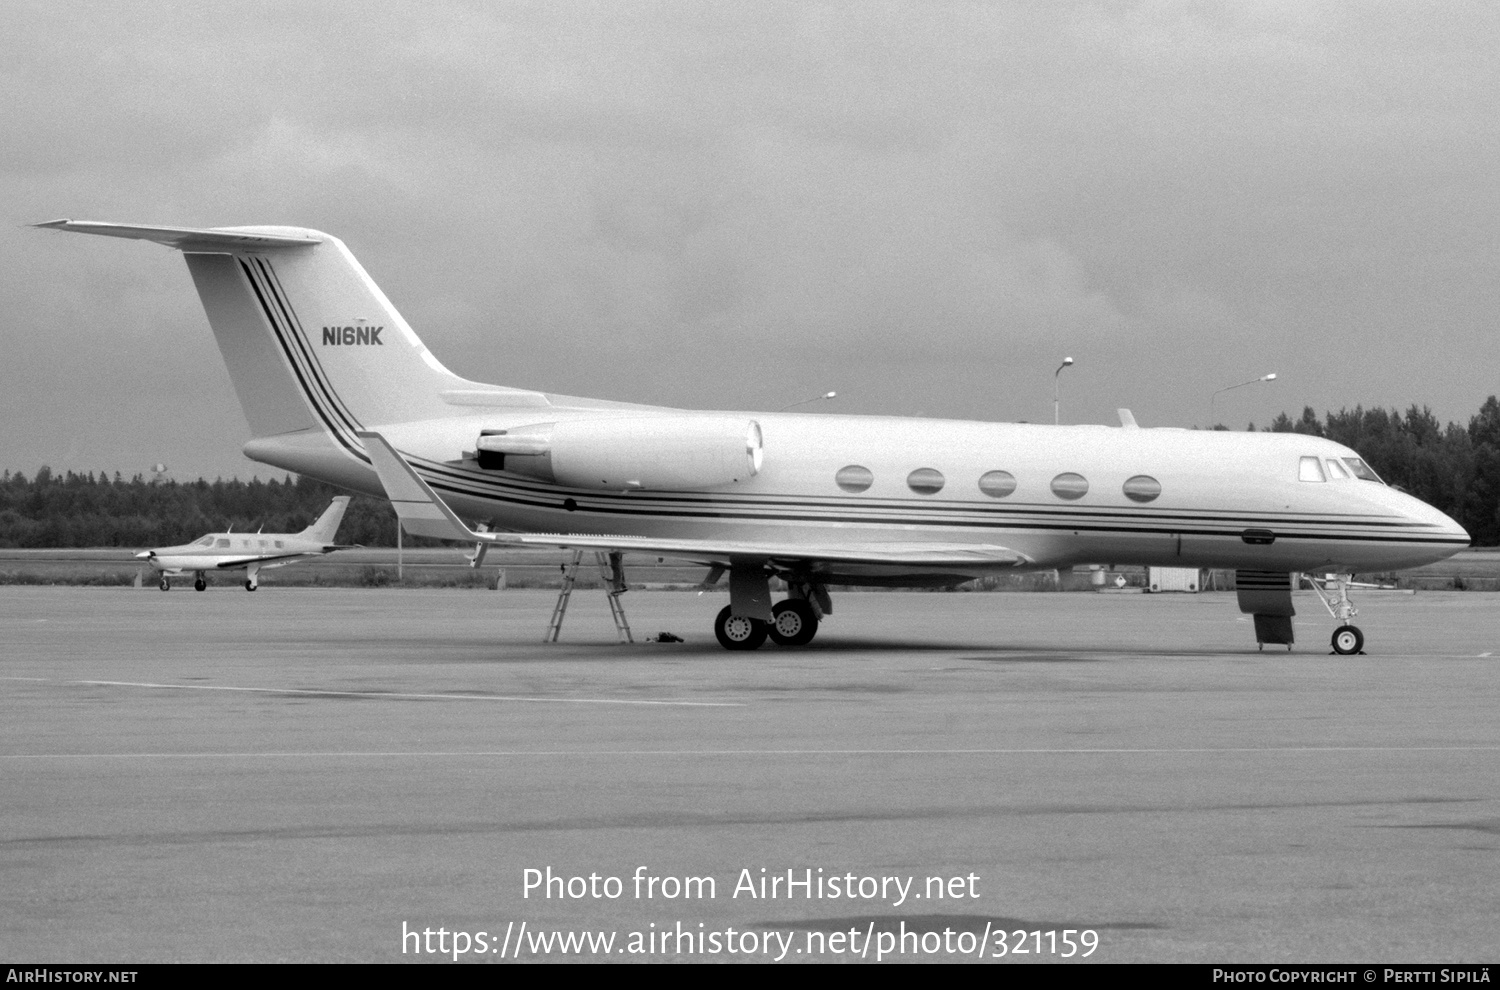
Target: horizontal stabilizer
[(424, 513), (212, 239)]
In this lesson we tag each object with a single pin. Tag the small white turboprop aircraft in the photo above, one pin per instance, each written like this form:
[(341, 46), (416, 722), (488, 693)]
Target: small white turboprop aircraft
[(336, 385), (248, 552)]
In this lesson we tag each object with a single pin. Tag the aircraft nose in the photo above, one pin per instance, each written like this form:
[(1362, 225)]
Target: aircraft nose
[(145, 555), (1454, 529), (1440, 521)]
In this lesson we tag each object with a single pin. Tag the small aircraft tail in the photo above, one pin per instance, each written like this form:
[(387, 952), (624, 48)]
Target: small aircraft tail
[(310, 341), (328, 523)]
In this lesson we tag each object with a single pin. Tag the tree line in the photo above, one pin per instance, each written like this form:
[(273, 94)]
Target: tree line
[(89, 510), (1455, 468)]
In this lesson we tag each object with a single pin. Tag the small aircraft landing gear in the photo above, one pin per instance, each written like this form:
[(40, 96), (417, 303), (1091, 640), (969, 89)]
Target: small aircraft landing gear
[(250, 586), (1347, 639), (795, 623), (200, 584), (739, 632), (166, 583)]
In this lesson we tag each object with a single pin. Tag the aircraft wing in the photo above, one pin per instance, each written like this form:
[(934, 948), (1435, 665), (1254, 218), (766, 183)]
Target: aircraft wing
[(424, 513), (267, 559)]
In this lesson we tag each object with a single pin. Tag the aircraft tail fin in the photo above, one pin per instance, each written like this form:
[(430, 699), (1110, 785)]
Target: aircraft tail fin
[(328, 523), (310, 341)]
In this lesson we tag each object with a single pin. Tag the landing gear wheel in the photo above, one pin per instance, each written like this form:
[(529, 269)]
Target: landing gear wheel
[(1348, 640), (794, 623), (166, 585), (199, 584), (250, 585), (739, 632)]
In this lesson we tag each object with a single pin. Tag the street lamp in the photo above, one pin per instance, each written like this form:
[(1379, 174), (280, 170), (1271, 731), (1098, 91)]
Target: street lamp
[(803, 402), (1263, 378), (1067, 363)]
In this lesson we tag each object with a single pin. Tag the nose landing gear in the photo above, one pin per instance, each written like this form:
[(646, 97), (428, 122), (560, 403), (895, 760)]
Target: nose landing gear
[(1347, 639)]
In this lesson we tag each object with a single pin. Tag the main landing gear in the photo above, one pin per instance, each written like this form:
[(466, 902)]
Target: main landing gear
[(793, 621), (166, 583), (1347, 639), (739, 632), (744, 624), (794, 624)]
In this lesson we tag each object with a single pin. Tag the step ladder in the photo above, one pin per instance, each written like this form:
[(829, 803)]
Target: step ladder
[(611, 569)]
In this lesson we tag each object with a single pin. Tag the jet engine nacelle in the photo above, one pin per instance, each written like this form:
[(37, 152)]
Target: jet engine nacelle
[(663, 453)]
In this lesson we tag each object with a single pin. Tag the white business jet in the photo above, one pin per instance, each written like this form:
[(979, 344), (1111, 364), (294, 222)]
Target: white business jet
[(337, 386), (248, 552)]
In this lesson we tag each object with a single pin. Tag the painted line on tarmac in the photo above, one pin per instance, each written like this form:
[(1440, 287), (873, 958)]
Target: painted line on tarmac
[(450, 754), (395, 695)]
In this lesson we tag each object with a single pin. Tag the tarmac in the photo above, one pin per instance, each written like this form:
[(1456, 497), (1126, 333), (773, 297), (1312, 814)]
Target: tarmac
[(309, 774)]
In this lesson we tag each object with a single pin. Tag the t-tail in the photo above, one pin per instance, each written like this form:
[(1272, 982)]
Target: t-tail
[(327, 524), (315, 350)]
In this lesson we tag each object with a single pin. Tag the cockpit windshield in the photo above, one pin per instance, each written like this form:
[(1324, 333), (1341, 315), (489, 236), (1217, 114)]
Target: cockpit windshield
[(207, 541), (1362, 470)]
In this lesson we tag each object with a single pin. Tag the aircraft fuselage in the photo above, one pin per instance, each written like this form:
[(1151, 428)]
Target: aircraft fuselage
[(1202, 499)]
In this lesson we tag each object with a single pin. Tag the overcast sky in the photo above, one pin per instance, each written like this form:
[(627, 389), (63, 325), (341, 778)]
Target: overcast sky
[(924, 206)]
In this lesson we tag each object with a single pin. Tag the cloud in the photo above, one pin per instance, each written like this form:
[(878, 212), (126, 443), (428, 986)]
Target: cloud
[(705, 204)]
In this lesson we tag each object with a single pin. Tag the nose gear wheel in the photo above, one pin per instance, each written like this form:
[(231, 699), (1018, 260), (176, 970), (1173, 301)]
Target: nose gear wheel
[(1348, 640)]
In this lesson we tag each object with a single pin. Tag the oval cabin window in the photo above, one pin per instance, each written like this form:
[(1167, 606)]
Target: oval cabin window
[(1070, 486), (997, 484), (854, 478), (925, 481), (1142, 488)]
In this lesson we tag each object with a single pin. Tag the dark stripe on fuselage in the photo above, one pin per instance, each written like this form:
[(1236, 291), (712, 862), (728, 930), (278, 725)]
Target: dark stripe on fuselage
[(1078, 526)]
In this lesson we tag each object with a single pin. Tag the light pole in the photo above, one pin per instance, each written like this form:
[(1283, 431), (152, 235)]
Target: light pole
[(803, 402), (1263, 378), (1067, 363)]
